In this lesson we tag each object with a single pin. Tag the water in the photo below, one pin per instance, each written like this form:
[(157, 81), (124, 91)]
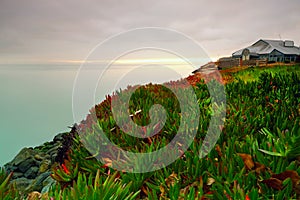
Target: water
[(36, 101), (35, 105)]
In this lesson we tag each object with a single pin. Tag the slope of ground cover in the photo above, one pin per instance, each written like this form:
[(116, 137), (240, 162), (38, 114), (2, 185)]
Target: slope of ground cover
[(256, 157)]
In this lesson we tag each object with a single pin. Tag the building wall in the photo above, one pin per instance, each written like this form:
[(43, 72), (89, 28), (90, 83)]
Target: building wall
[(233, 62), (276, 56), (249, 62), (228, 62)]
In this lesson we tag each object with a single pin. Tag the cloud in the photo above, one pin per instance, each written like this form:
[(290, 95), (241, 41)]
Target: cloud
[(70, 29)]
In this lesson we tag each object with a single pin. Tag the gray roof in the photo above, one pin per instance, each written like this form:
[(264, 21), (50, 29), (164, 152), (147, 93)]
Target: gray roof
[(267, 46)]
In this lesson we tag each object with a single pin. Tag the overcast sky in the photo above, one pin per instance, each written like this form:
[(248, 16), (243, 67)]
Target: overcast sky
[(39, 31)]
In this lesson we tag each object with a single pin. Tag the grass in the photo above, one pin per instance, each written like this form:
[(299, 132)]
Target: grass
[(253, 73)]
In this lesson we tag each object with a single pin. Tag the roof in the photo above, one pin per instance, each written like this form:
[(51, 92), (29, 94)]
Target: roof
[(267, 46)]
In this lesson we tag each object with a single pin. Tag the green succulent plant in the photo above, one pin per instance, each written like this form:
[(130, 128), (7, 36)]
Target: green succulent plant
[(261, 122), (95, 188), (7, 191), (65, 173)]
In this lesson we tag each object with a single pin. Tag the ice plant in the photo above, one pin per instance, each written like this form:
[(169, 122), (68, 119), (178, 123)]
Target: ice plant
[(7, 191), (256, 128), (65, 169), (65, 173)]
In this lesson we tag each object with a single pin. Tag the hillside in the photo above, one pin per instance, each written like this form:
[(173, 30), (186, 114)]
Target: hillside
[(257, 155)]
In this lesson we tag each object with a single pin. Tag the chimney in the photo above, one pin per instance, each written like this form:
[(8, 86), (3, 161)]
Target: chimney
[(288, 43)]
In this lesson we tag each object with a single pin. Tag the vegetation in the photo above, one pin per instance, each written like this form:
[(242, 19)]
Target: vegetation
[(97, 187), (256, 157), (253, 73), (7, 191)]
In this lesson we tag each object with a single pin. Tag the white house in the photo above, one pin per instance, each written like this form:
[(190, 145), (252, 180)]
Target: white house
[(273, 50)]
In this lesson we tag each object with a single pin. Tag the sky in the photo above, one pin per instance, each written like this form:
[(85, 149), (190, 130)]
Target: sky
[(65, 31)]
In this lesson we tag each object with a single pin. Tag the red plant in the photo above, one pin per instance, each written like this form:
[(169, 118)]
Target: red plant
[(65, 169)]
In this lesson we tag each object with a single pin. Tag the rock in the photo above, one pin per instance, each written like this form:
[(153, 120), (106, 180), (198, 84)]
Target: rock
[(23, 161), (38, 157), (59, 137), (31, 173), (44, 147), (21, 183), (17, 175), (10, 168), (53, 157), (37, 184), (26, 164), (32, 166), (23, 155), (47, 184), (53, 149), (44, 166)]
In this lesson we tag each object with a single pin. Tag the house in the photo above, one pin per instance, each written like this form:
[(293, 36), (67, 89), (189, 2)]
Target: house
[(272, 50)]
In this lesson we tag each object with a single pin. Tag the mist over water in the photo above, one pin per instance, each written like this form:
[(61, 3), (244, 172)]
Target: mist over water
[(36, 101)]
